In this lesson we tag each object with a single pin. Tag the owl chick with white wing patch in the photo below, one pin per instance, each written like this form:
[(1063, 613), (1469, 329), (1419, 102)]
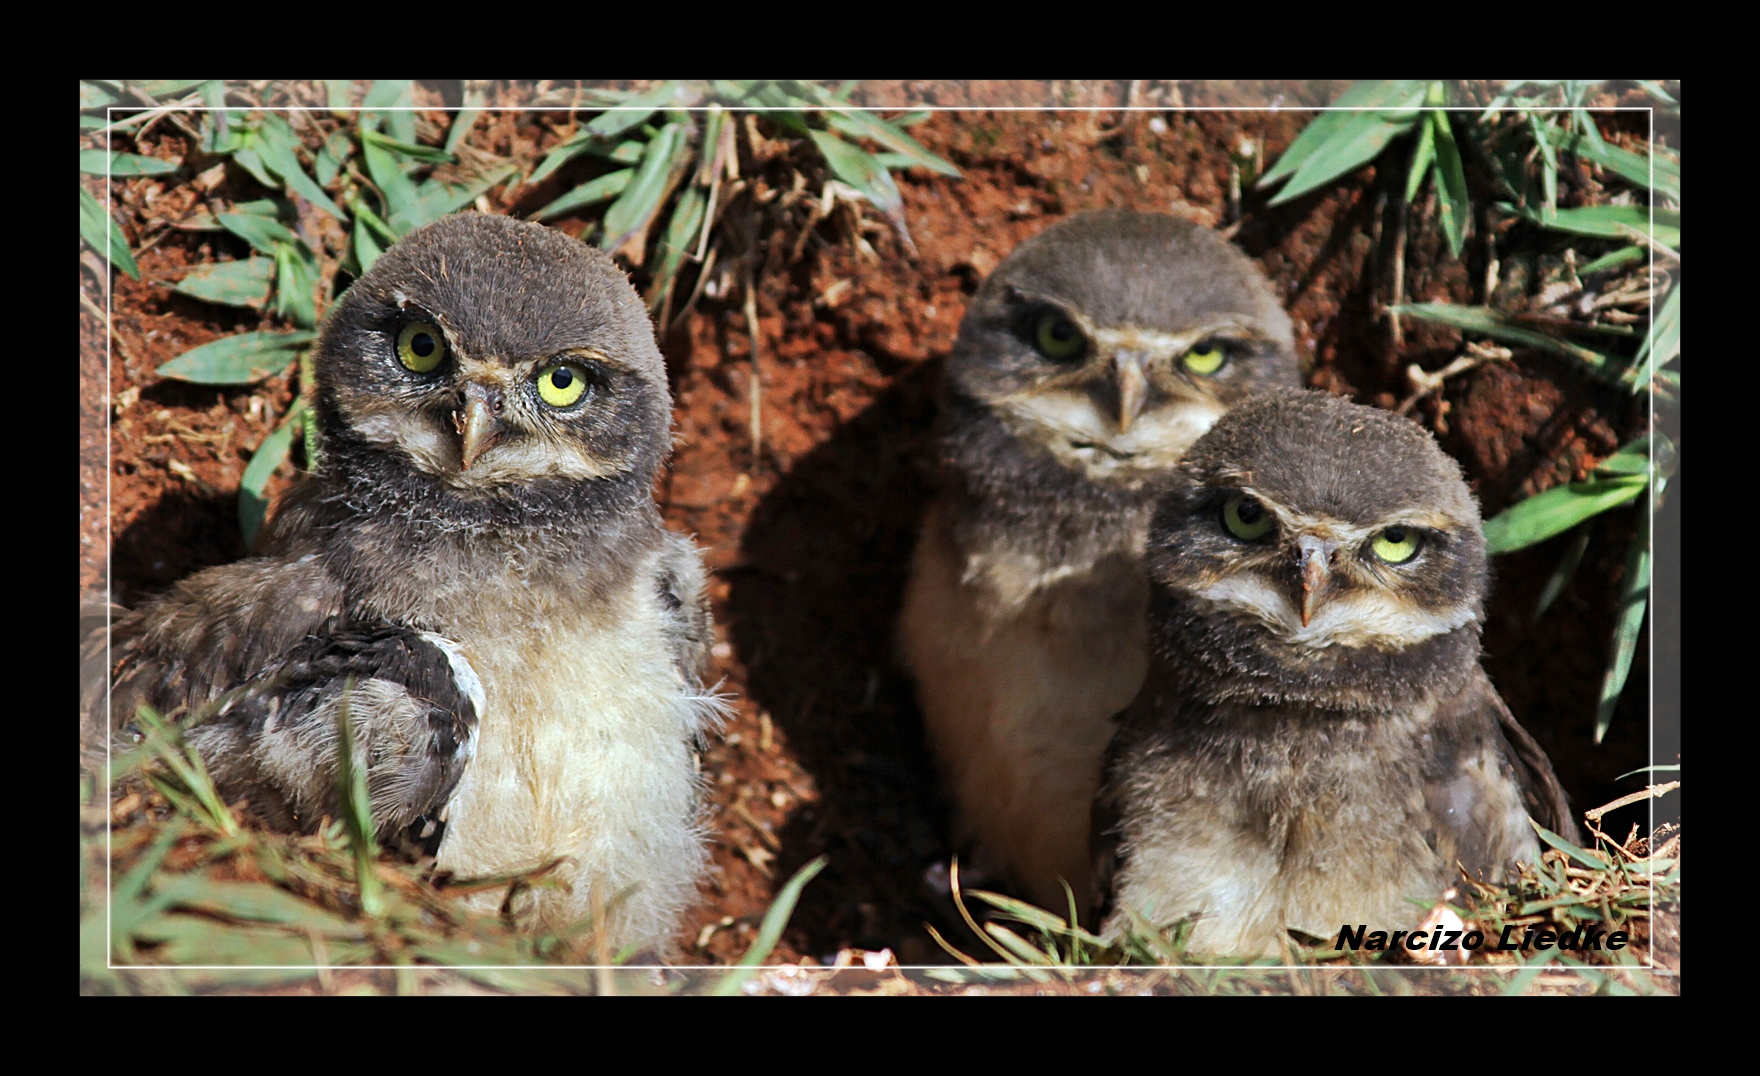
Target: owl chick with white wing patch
[(1316, 743), (1087, 363), (478, 573)]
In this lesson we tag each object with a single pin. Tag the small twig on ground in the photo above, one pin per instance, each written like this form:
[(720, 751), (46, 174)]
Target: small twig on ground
[(1638, 235), (1424, 383), (148, 116), (1399, 277), (703, 273), (754, 390), (1650, 792)]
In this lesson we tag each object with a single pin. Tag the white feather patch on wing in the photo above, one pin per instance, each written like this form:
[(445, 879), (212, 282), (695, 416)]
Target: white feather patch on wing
[(469, 685), (1351, 620)]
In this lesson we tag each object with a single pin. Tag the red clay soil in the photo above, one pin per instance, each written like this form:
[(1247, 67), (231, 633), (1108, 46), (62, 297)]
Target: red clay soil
[(808, 542)]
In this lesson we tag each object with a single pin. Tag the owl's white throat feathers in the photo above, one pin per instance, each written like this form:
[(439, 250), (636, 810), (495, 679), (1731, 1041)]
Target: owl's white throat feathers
[(1080, 434), (436, 451), (1360, 618)]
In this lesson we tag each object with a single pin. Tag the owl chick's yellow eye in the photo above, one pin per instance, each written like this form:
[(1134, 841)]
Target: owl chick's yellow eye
[(1205, 359), (1396, 545), (1057, 337), (420, 347), (1246, 518), (561, 385)]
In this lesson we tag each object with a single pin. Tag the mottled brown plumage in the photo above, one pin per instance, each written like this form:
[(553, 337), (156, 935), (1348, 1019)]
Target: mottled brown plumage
[(1086, 364), (479, 556), (1315, 742)]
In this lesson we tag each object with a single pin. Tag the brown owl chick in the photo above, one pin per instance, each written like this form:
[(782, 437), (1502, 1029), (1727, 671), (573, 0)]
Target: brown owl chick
[(478, 573), (1086, 365), (1316, 743)]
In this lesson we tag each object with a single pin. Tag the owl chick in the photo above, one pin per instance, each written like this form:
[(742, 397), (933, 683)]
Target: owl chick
[(478, 574), (1086, 365), (1315, 742)]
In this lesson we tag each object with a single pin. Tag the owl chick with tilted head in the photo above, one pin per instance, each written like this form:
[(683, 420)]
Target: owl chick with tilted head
[(1316, 743), (1088, 362), (478, 576)]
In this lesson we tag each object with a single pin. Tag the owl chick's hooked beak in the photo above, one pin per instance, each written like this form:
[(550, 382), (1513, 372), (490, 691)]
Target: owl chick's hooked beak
[(478, 420), (1137, 364), (1133, 385), (1314, 555)]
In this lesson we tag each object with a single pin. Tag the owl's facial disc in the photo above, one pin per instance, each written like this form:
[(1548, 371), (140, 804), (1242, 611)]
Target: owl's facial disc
[(478, 423), (1122, 401), (1313, 580)]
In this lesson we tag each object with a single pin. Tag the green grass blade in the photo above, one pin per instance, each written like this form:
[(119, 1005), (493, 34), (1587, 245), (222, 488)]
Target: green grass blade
[(102, 235), (676, 242), (1622, 256), (1452, 203), (1634, 168), (240, 359), (561, 155), (357, 808), (363, 244), (131, 885), (1586, 858), (97, 94), (1422, 158), (1557, 510), (868, 125), (770, 930), (413, 150), (859, 168), (435, 199), (1030, 914), (364, 213), (634, 112), (253, 500), (1544, 136), (100, 162), (1562, 575), (1024, 952), (464, 120), (217, 124), (1662, 344), (296, 278), (397, 188), (1633, 458), (338, 148), (667, 154), (255, 902), (187, 783), (264, 234), (1325, 126), (1615, 222), (242, 283), (279, 145), (1634, 601), (1360, 137), (1484, 320), (167, 87), (250, 159), (389, 93)]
